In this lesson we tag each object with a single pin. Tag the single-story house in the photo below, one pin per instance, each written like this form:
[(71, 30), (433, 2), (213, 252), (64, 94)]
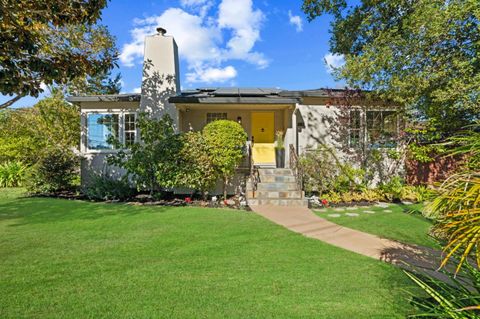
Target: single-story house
[(308, 119)]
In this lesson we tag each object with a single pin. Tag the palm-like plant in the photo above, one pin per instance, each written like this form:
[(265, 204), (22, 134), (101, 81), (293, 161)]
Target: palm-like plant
[(457, 299), (457, 208), (457, 214)]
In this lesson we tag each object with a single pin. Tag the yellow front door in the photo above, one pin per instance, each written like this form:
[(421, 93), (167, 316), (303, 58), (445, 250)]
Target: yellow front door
[(263, 135)]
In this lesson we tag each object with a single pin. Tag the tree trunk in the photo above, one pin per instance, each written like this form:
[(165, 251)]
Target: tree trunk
[(10, 102), (225, 182)]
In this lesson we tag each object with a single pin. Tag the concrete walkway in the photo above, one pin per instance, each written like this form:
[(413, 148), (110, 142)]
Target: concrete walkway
[(302, 220)]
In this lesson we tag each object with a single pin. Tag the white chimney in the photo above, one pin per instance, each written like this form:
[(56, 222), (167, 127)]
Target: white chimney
[(161, 76)]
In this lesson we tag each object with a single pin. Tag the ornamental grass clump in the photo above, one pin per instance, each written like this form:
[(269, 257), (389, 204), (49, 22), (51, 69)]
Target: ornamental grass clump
[(12, 174)]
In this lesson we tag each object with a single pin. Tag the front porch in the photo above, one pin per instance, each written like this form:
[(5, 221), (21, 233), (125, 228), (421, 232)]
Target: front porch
[(260, 122)]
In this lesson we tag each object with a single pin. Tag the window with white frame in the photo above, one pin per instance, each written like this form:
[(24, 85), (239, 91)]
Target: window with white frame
[(130, 129), (216, 116), (374, 128), (103, 127), (382, 128), (355, 128)]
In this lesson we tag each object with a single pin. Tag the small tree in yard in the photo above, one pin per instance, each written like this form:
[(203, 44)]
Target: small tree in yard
[(56, 170), (225, 140), (153, 162), (197, 170)]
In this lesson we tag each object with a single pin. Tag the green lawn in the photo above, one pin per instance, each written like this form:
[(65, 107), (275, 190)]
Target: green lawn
[(399, 224), (73, 259)]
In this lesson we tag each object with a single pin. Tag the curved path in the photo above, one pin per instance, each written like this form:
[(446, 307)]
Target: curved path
[(302, 220)]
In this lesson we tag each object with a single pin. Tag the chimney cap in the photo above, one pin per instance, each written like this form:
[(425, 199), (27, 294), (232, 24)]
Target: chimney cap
[(161, 30)]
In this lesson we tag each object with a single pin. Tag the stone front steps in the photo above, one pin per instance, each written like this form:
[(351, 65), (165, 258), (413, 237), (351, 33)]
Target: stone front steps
[(277, 186)]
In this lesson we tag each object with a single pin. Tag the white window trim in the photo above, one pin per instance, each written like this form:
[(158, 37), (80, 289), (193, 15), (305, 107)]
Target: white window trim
[(121, 129), (125, 131), (212, 112), (364, 129)]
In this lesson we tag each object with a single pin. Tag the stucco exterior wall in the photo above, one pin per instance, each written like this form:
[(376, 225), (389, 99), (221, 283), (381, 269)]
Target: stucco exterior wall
[(320, 126), (195, 120), (161, 77)]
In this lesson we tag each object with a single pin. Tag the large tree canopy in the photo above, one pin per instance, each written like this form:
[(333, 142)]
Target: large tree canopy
[(420, 53), (47, 42)]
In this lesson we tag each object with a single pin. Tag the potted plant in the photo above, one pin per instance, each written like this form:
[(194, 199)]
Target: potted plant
[(279, 150)]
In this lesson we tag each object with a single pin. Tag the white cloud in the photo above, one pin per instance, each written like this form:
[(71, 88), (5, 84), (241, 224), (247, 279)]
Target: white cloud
[(191, 3), (245, 24), (210, 75), (137, 90), (334, 61), (295, 21), (205, 42)]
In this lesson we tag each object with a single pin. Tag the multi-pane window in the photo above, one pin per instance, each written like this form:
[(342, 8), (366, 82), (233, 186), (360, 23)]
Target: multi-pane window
[(382, 128), (216, 116), (376, 128), (355, 128), (130, 129), (103, 128)]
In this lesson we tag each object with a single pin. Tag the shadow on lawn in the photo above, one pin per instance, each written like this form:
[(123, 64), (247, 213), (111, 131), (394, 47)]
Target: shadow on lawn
[(31, 210)]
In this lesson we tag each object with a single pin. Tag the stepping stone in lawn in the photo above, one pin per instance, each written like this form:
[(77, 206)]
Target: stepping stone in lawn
[(387, 211), (368, 212), (334, 215), (383, 205), (352, 214), (352, 208), (339, 209)]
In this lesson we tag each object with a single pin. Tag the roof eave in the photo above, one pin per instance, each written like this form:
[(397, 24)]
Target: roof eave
[(233, 100), (134, 97)]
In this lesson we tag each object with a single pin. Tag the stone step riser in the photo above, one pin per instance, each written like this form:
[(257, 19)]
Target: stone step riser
[(278, 187), (277, 179), (279, 202), (276, 171), (279, 195)]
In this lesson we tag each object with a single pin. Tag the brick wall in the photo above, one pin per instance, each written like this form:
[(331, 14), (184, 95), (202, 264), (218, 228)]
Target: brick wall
[(428, 173)]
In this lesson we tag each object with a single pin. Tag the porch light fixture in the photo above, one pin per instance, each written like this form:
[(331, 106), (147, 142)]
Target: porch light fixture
[(239, 120)]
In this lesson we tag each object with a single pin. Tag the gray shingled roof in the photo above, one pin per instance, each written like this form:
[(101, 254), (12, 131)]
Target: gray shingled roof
[(225, 95)]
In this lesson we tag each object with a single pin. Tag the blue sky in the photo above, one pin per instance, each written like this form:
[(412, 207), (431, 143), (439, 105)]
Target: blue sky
[(248, 43)]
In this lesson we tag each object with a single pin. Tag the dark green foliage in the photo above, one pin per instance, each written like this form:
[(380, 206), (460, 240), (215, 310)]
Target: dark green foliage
[(460, 299), (226, 142), (12, 174), (103, 187), (47, 42), (153, 163), (56, 170), (467, 143)]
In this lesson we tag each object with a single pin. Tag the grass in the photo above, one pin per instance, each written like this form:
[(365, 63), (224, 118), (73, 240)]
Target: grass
[(404, 223), (74, 259)]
